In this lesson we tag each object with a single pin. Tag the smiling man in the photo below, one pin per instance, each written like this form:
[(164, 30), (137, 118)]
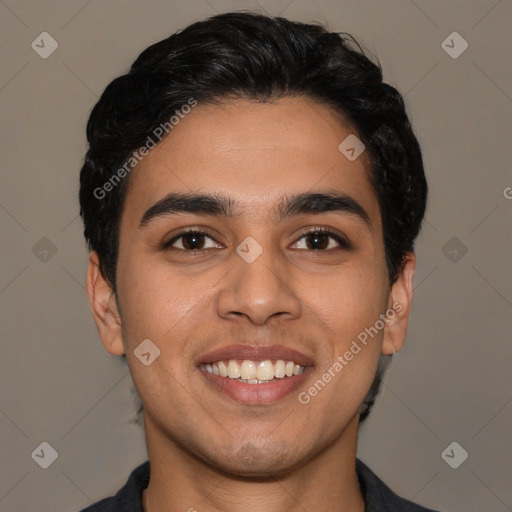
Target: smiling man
[(251, 196)]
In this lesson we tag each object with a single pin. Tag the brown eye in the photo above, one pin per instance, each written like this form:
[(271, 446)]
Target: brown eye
[(322, 240), (317, 241), (192, 241)]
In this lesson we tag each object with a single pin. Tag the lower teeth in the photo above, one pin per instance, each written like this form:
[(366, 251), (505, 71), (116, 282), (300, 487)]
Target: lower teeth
[(254, 381)]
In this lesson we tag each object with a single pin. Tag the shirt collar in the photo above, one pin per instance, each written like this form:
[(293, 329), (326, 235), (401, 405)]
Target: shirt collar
[(378, 497)]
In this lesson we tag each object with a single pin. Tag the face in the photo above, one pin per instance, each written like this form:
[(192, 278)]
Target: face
[(282, 261)]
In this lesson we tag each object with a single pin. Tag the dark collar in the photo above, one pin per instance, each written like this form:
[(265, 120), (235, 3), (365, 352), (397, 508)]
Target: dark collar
[(378, 497)]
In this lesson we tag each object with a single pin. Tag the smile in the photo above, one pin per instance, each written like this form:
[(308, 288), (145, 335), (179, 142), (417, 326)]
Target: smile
[(253, 372)]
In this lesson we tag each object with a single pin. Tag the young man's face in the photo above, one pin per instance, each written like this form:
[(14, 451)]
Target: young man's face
[(308, 294)]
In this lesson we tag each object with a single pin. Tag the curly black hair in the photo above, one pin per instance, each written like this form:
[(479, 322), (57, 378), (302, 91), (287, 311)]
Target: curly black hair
[(262, 58)]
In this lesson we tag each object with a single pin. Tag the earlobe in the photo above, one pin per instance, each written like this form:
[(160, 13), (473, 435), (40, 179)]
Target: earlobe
[(104, 307), (399, 307)]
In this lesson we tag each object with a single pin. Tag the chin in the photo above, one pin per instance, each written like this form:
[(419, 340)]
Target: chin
[(262, 461)]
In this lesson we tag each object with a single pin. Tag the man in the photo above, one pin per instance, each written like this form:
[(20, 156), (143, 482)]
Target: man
[(251, 196)]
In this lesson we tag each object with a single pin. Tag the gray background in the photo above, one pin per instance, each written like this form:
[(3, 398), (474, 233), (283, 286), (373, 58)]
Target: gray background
[(452, 380)]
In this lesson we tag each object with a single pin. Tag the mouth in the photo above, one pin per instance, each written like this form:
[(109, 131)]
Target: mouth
[(255, 374)]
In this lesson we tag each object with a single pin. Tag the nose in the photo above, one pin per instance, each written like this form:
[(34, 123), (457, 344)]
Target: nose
[(258, 291)]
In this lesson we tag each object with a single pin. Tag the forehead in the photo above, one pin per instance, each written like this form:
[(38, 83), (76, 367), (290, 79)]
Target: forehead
[(256, 153)]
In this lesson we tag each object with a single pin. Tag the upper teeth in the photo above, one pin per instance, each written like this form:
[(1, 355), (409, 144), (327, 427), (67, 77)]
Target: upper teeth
[(252, 370)]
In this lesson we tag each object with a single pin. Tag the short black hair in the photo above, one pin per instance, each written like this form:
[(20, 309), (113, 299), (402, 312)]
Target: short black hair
[(252, 56)]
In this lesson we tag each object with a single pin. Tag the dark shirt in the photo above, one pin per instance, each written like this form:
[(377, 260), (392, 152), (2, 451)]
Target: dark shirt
[(378, 497)]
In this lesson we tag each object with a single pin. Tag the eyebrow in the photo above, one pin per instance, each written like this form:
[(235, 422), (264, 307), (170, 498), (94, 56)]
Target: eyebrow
[(223, 206)]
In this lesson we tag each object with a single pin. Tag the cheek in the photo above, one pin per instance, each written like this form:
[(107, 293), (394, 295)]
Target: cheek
[(347, 301), (349, 311), (166, 310), (171, 310), (154, 300)]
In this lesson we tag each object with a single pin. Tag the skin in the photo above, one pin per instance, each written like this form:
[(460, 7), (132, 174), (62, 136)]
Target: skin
[(208, 451)]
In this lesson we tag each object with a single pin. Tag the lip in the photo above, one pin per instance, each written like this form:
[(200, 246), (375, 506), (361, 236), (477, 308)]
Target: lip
[(256, 394), (255, 353)]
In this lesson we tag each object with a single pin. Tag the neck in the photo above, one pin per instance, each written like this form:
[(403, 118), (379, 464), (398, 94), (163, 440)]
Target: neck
[(180, 481)]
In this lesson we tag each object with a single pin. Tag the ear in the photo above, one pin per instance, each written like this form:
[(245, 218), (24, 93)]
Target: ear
[(104, 307), (399, 301)]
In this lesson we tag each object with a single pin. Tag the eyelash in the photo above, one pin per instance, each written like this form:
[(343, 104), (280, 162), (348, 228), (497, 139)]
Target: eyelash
[(343, 242)]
